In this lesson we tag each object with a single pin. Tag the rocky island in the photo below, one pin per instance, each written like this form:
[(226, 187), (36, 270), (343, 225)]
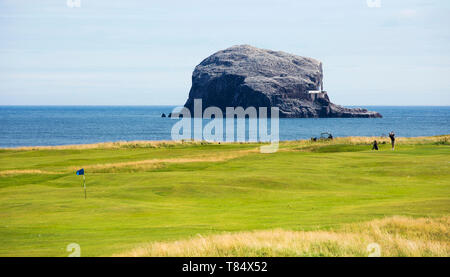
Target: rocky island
[(247, 76)]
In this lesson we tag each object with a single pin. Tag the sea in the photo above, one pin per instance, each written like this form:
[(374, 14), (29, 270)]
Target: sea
[(64, 125)]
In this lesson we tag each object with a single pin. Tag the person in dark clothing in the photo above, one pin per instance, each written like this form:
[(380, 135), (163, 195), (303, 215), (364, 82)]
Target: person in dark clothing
[(392, 137), (375, 145)]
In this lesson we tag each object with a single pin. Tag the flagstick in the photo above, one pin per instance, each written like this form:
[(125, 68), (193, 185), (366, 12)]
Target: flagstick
[(84, 182)]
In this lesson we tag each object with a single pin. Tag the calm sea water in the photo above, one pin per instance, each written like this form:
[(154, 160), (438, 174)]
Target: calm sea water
[(31, 126)]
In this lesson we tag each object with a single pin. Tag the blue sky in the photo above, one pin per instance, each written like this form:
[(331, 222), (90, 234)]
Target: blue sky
[(143, 52)]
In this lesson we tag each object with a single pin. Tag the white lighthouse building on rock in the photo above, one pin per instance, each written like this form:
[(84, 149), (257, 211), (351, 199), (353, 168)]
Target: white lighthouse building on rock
[(319, 93)]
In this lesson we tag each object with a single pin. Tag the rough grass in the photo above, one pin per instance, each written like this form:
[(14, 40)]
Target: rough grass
[(117, 145), (351, 141), (140, 192), (393, 236), (443, 139), (25, 171), (158, 163)]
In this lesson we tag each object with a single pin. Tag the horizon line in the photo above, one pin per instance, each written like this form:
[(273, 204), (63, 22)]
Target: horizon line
[(174, 105)]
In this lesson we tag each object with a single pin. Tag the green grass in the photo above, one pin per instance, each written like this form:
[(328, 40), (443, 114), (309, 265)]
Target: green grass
[(304, 186)]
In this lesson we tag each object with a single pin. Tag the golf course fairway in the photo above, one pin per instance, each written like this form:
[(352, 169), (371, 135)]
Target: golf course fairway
[(145, 194)]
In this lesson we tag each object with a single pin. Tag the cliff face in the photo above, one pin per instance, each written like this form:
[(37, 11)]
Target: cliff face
[(247, 76)]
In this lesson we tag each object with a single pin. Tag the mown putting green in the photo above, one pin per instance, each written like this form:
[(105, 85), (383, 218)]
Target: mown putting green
[(142, 193)]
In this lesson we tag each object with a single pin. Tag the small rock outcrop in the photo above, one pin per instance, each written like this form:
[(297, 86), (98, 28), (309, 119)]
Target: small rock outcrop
[(247, 76)]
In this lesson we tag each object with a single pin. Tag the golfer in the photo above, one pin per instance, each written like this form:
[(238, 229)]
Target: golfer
[(375, 145), (392, 137)]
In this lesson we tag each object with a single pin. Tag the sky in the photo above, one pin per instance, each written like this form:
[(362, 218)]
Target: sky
[(106, 52)]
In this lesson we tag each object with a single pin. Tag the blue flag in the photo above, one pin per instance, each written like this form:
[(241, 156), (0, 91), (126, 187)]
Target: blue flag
[(80, 172)]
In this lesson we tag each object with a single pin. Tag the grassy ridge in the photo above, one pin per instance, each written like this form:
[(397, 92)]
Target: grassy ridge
[(142, 192)]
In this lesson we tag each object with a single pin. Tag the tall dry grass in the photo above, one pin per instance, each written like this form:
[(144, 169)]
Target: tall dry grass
[(443, 139), (26, 171), (158, 163), (110, 145), (393, 236), (309, 145)]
